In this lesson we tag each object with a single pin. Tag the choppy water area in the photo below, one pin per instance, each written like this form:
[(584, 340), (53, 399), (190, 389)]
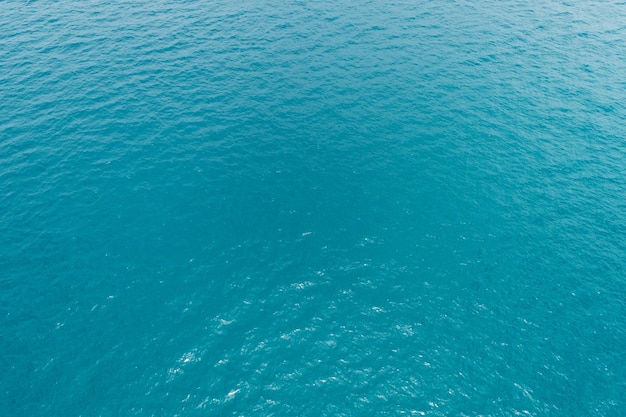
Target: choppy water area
[(312, 208)]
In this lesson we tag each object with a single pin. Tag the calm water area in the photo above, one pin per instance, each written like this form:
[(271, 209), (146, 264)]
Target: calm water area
[(312, 208)]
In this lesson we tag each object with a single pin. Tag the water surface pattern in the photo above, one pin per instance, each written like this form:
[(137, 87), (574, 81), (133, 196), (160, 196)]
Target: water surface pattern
[(312, 208)]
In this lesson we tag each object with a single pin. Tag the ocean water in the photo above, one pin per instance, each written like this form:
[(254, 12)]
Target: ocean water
[(312, 208)]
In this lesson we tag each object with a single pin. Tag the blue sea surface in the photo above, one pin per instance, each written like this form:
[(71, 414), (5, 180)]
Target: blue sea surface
[(312, 208)]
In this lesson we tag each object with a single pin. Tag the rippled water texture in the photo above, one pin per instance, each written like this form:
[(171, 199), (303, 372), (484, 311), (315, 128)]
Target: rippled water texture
[(298, 208)]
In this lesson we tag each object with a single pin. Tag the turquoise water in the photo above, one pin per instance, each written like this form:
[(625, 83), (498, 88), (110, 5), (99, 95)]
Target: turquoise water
[(306, 208)]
